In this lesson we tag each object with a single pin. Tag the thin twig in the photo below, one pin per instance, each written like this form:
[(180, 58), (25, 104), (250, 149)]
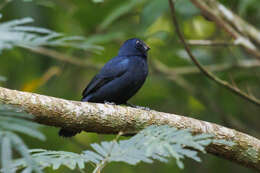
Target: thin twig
[(240, 25), (171, 75), (104, 162), (63, 57), (215, 15), (210, 43), (213, 68), (202, 69)]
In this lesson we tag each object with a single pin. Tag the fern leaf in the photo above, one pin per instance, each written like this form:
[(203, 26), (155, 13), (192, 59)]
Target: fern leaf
[(153, 143), (23, 150), (17, 33), (10, 121), (22, 129), (6, 154), (13, 23)]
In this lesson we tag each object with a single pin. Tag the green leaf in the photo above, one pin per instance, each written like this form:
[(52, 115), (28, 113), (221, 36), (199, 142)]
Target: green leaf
[(23, 150), (153, 143), (22, 129), (104, 38), (121, 10), (10, 120), (152, 11), (14, 33), (2, 79), (98, 1), (186, 9), (6, 156)]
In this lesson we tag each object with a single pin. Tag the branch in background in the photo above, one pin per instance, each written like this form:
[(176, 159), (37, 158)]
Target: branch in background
[(240, 25), (171, 75), (3, 4), (104, 118), (221, 82), (36, 83), (65, 58), (213, 68), (174, 74), (214, 11), (210, 43)]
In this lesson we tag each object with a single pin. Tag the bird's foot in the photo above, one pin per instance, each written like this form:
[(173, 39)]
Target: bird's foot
[(143, 108), (109, 103), (138, 107)]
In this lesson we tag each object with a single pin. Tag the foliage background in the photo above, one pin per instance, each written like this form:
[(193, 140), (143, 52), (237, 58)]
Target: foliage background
[(108, 24)]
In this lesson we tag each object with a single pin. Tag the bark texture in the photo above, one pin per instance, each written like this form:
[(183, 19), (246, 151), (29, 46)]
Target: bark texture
[(103, 118)]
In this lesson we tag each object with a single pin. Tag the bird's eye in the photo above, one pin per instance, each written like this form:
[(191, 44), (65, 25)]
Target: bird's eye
[(138, 44)]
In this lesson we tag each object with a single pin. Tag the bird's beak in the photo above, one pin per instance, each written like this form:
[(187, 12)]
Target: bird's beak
[(146, 48)]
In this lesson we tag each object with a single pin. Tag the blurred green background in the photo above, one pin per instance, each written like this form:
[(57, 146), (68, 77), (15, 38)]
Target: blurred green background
[(109, 24)]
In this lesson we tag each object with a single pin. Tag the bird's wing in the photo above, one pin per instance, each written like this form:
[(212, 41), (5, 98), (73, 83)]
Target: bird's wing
[(115, 68)]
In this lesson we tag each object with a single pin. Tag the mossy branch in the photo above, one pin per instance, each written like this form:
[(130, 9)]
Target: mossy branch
[(111, 119)]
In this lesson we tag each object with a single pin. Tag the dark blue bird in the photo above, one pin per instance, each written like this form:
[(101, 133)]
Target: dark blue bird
[(119, 79)]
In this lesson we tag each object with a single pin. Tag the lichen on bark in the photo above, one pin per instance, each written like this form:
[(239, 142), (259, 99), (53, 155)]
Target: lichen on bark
[(111, 119)]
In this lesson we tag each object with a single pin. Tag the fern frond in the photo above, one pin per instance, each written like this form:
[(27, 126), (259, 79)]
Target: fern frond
[(6, 154), (10, 122), (17, 33), (53, 159), (21, 128), (153, 143), (7, 110), (14, 142)]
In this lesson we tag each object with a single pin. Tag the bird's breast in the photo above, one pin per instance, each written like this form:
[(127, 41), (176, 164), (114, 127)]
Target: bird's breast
[(138, 71)]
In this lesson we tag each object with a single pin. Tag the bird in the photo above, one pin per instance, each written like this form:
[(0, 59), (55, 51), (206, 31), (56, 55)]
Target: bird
[(119, 79)]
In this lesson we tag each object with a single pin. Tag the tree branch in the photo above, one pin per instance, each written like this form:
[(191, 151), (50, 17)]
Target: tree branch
[(64, 58), (210, 75), (214, 67), (242, 26), (232, 24), (171, 75), (210, 43), (103, 118)]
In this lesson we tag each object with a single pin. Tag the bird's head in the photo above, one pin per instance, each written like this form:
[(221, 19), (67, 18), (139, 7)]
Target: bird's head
[(133, 47)]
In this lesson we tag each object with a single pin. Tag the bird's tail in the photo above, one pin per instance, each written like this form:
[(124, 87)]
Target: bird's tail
[(66, 133)]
